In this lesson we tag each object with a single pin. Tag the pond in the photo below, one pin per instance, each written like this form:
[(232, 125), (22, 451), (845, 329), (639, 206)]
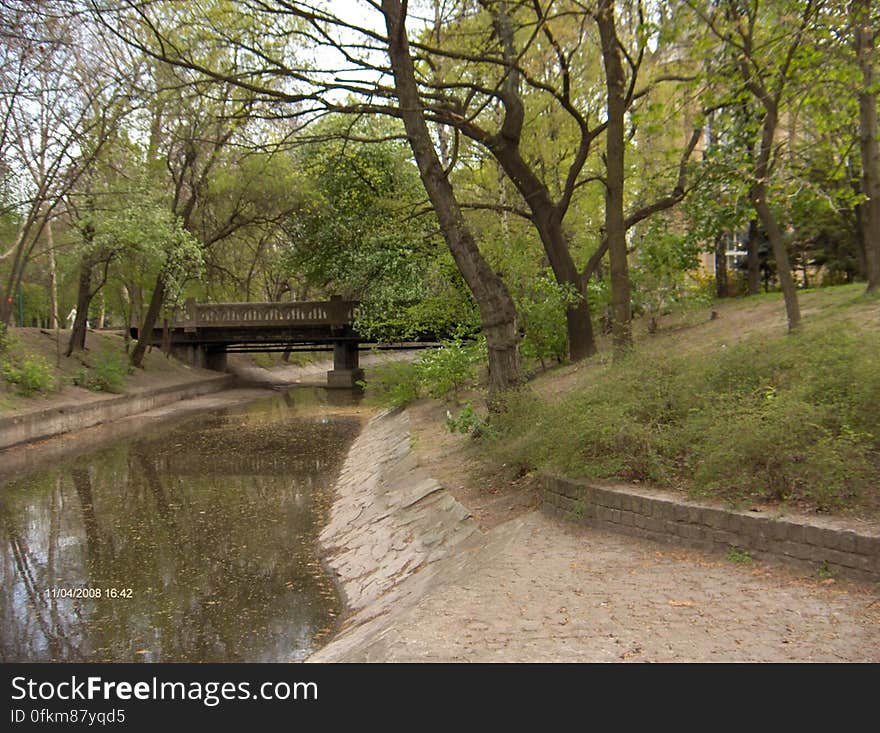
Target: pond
[(194, 542)]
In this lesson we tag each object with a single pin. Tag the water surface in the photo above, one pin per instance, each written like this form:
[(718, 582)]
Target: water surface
[(196, 542)]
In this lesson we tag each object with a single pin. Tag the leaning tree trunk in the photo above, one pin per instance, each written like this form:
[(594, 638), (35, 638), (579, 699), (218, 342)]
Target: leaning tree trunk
[(615, 227), (150, 319), (758, 193), (753, 258), (83, 300), (780, 254), (496, 306), (870, 149)]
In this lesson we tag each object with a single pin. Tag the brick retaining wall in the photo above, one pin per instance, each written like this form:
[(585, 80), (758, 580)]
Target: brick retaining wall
[(664, 517)]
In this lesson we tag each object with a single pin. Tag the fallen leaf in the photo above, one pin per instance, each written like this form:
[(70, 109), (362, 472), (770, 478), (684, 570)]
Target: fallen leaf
[(681, 604)]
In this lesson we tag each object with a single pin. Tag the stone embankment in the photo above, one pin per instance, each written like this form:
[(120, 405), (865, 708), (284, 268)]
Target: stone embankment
[(389, 532)]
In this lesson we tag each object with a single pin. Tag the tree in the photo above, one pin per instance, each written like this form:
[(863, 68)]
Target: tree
[(493, 68), (56, 112), (864, 36), (768, 53), (496, 306)]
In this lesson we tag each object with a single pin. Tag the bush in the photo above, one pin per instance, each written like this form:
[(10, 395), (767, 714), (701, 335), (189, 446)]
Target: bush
[(393, 385), (542, 316), (445, 370), (467, 421), (30, 374), (437, 373)]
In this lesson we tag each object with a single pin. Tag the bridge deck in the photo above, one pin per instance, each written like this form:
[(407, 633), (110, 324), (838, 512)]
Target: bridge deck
[(219, 324), (204, 333)]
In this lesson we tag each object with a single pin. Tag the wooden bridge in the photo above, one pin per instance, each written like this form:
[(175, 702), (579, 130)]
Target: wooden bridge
[(203, 334)]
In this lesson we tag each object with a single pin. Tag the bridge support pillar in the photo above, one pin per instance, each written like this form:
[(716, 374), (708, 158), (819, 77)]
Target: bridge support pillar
[(193, 356), (201, 357), (346, 371), (215, 358)]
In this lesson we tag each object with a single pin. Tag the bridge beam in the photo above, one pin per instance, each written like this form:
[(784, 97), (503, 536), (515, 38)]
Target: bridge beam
[(346, 371)]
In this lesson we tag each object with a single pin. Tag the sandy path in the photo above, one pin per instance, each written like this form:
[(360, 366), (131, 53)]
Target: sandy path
[(541, 591)]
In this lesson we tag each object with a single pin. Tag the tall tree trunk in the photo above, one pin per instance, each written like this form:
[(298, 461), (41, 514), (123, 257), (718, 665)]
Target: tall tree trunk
[(722, 289), (150, 319), (54, 321), (753, 258), (615, 227), (780, 254), (497, 309), (865, 34)]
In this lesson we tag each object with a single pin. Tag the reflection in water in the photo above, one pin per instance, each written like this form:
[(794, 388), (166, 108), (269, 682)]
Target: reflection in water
[(212, 527)]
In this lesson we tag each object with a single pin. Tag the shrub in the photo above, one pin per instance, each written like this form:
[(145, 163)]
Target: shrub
[(467, 421), (437, 373), (542, 317), (393, 385), (445, 370), (30, 374)]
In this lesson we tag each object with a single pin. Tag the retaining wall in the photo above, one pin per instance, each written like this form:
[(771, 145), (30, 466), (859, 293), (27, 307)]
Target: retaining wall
[(834, 546), (56, 420)]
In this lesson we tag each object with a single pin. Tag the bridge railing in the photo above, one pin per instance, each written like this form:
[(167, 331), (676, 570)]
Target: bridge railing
[(333, 312)]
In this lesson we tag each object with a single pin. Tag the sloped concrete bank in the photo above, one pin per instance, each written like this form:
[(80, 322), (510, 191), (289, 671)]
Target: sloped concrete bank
[(40, 424), (391, 534)]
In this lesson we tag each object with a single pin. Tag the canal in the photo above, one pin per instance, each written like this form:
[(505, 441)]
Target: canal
[(193, 542)]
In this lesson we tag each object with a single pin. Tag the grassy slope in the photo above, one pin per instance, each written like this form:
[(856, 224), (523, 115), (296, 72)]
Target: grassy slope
[(730, 407), (106, 347)]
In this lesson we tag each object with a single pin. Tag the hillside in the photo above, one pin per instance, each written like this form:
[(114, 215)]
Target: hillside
[(725, 405), (49, 378)]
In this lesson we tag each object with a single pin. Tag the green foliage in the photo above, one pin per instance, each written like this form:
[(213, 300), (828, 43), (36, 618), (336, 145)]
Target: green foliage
[(437, 373), (106, 372), (660, 275), (359, 232), (739, 556), (467, 421), (35, 304), (445, 370), (144, 233), (791, 419), (30, 374), (393, 385), (541, 308)]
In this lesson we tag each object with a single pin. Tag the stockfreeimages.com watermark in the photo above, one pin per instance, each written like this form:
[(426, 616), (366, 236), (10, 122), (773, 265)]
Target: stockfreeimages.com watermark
[(208, 693)]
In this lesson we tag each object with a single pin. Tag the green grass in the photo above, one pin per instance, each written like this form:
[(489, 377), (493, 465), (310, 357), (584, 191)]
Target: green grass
[(772, 417), (105, 371)]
